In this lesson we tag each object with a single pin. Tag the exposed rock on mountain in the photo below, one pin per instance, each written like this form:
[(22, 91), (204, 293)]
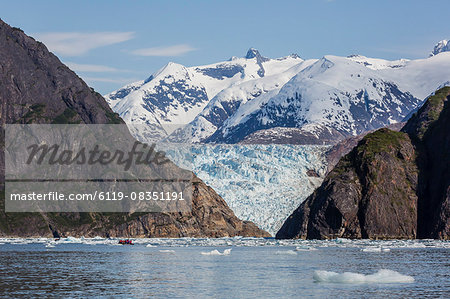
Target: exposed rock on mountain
[(35, 87), (307, 134), (391, 185), (442, 46)]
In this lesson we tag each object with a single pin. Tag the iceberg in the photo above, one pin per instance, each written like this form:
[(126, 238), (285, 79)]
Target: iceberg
[(217, 252), (382, 276), (289, 252), (305, 248), (371, 249), (167, 251)]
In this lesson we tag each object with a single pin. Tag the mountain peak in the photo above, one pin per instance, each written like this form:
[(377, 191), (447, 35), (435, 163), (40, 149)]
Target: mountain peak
[(169, 69), (442, 46), (252, 53)]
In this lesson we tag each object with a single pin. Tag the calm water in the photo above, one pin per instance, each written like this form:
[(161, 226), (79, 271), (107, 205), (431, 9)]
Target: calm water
[(255, 268)]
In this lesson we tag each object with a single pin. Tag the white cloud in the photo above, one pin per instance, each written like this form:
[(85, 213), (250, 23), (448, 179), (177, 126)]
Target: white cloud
[(175, 50), (77, 43), (93, 68)]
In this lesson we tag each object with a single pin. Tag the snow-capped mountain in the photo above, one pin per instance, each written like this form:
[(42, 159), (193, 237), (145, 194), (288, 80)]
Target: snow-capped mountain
[(175, 95), (442, 46), (255, 99), (228, 101), (348, 95)]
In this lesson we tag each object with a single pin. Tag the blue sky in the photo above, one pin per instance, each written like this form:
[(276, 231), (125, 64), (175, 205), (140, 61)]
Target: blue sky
[(111, 43)]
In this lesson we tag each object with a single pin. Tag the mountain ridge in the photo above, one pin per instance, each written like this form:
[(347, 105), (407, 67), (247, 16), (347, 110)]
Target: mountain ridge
[(175, 94), (347, 94)]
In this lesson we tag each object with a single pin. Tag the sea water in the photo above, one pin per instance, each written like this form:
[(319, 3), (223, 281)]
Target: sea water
[(224, 268)]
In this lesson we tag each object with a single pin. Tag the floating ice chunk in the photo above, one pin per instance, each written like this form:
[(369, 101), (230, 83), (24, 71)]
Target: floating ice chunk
[(72, 240), (90, 242), (382, 276), (20, 241), (217, 252), (305, 248), (213, 252), (49, 245), (167, 251), (375, 249), (292, 252), (371, 249), (342, 240)]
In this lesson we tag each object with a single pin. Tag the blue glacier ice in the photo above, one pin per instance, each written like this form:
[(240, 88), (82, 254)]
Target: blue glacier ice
[(260, 183)]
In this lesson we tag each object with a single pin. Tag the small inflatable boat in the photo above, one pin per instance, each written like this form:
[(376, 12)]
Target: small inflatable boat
[(126, 242)]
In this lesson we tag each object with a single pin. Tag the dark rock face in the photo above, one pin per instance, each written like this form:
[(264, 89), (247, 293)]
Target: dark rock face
[(210, 217), (35, 87), (391, 185), (222, 71), (429, 129)]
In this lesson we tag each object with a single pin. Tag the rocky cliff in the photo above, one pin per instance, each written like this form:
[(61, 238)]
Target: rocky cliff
[(35, 87), (337, 151), (391, 185)]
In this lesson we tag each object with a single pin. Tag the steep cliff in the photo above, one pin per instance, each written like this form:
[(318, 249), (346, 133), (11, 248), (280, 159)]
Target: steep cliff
[(391, 185), (35, 87)]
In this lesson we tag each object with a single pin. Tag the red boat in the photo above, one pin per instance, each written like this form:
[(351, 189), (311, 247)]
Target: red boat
[(126, 242)]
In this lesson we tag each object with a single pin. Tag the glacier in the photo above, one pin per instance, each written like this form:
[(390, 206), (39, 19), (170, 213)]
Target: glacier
[(260, 183)]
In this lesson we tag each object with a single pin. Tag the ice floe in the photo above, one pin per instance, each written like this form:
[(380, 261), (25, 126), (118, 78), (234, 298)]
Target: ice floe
[(217, 252), (296, 245), (371, 249), (167, 251), (382, 276), (305, 248), (290, 252)]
